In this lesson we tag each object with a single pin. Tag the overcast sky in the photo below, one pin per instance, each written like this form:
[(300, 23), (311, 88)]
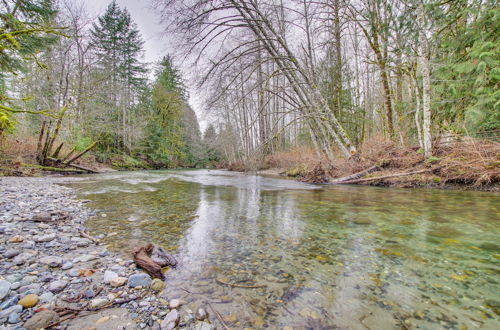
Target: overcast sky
[(155, 42)]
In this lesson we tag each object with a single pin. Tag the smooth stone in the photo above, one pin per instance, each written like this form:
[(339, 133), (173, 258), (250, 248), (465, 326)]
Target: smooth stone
[(141, 279), (490, 247), (9, 302), (118, 281), (14, 309), (174, 304), (29, 301), (46, 297), (19, 260), (98, 302), (109, 276), (31, 288), (44, 238), (41, 320), (74, 272), (157, 284), (57, 286), (201, 314), (14, 318), (11, 253), (52, 261), (362, 222), (16, 239), (170, 321), (28, 280), (204, 326), (89, 294), (4, 288), (67, 265), (103, 254), (231, 318), (14, 278), (15, 285)]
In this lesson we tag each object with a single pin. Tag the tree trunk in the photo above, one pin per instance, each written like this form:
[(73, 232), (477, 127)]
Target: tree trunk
[(426, 80)]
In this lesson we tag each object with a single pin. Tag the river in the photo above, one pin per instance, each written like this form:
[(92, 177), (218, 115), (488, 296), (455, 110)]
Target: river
[(321, 257)]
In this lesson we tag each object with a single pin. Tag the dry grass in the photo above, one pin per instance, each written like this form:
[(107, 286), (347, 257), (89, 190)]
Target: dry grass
[(15, 151), (472, 163)]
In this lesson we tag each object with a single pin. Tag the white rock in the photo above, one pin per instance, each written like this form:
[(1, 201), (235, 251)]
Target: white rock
[(109, 276)]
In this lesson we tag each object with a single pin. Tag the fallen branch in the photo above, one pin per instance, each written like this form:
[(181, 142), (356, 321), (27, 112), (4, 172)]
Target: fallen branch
[(239, 285), (83, 168), (92, 145), (219, 317), (84, 234), (358, 175), (90, 311), (391, 176)]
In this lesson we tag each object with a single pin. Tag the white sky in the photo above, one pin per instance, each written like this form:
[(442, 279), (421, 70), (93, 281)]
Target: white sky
[(155, 41)]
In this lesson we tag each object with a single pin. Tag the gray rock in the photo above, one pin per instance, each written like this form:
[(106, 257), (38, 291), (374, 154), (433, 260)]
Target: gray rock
[(13, 309), (174, 303), (141, 279), (19, 260), (9, 302), (44, 238), (170, 321), (67, 265), (98, 302), (14, 278), (31, 288), (15, 285), (14, 318), (57, 286), (52, 261), (28, 280), (204, 326), (4, 288), (74, 272), (41, 320), (109, 276), (104, 253), (11, 253), (46, 297), (201, 314)]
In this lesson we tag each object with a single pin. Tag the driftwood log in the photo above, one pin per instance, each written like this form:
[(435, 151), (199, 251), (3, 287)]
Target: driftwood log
[(396, 175), (143, 259), (358, 175)]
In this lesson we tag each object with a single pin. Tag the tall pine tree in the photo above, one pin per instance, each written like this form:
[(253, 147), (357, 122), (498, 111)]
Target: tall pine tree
[(118, 46)]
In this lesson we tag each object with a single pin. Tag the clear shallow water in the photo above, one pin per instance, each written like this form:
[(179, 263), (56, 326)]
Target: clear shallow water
[(345, 257)]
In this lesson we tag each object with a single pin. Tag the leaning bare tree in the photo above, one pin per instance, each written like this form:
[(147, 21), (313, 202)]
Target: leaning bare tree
[(211, 27)]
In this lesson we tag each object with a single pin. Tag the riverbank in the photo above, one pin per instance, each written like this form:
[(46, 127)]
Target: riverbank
[(51, 275), (470, 165)]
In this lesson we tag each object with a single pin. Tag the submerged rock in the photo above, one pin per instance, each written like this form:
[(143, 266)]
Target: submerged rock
[(157, 284), (171, 320)]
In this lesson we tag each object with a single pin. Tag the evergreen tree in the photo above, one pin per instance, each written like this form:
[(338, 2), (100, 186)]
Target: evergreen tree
[(469, 75), (25, 29), (118, 45), (173, 134)]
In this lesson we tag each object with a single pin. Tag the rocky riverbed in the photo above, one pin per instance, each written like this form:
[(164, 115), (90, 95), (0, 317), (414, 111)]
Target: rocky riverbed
[(52, 276)]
